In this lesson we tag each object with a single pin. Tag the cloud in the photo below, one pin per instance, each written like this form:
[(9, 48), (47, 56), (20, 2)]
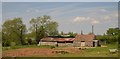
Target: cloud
[(95, 21), (106, 17), (27, 11), (115, 15), (110, 17), (85, 19), (36, 10), (103, 10), (81, 19)]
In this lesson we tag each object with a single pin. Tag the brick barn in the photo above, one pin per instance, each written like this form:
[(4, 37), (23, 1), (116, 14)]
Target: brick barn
[(79, 40), (84, 40)]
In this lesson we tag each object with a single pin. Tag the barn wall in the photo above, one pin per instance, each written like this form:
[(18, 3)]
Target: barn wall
[(77, 43), (89, 43), (65, 44), (48, 43), (55, 43)]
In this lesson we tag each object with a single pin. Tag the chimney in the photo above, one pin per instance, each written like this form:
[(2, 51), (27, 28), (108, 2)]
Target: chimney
[(92, 29), (81, 32)]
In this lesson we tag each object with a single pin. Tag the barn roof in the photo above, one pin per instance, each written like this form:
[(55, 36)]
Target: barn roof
[(83, 37), (87, 37), (58, 39), (61, 36), (64, 39)]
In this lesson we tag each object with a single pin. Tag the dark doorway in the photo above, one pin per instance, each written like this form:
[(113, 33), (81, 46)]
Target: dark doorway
[(93, 44)]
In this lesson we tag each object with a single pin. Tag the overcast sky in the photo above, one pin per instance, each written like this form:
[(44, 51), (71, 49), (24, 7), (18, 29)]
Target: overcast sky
[(71, 16), (60, 0), (0, 15)]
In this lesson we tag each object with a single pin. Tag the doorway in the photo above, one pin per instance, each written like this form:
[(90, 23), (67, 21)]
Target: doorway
[(82, 43)]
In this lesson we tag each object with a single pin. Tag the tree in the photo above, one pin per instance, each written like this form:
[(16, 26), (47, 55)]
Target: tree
[(43, 26), (62, 33), (29, 41), (112, 31), (13, 31), (52, 28), (72, 34), (111, 36)]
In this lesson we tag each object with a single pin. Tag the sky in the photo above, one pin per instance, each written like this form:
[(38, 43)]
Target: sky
[(71, 16), (60, 0), (0, 15)]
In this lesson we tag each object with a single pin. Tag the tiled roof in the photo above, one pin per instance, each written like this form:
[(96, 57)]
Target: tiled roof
[(64, 39), (87, 37), (78, 37)]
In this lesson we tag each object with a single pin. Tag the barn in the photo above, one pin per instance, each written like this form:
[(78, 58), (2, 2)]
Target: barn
[(57, 41), (87, 40), (84, 40)]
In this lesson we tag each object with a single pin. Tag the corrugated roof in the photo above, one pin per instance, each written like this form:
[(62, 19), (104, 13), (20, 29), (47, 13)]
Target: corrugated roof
[(58, 39), (83, 37)]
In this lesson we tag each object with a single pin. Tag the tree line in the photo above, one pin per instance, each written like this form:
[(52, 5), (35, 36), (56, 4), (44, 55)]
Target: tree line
[(14, 31), (111, 36)]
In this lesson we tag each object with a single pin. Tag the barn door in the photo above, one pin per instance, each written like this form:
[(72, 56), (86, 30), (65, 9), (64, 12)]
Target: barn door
[(82, 43)]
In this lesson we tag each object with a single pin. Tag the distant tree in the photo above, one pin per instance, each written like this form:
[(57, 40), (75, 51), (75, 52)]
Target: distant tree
[(29, 41), (72, 34), (43, 26), (90, 33), (112, 31), (13, 31), (52, 28), (111, 36), (62, 33)]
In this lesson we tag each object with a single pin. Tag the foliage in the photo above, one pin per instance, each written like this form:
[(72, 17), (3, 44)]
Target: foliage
[(62, 33), (113, 31), (69, 34), (72, 34), (111, 36), (29, 41), (13, 31), (13, 44), (107, 38), (43, 26)]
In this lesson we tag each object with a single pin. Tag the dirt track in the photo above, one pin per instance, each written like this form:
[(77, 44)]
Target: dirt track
[(44, 52), (28, 52)]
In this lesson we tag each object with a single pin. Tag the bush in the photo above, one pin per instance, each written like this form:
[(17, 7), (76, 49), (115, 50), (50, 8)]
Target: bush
[(108, 38), (52, 47), (12, 44)]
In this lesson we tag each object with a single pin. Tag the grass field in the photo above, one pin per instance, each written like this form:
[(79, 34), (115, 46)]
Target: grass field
[(46, 51), (25, 46), (93, 52)]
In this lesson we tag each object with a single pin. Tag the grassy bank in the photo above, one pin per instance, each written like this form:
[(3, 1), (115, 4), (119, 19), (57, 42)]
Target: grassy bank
[(25, 46)]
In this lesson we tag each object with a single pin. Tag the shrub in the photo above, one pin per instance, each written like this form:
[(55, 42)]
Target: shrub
[(12, 44), (52, 47)]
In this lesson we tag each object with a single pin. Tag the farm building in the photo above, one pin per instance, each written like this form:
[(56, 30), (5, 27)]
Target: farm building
[(85, 40), (57, 41), (77, 41)]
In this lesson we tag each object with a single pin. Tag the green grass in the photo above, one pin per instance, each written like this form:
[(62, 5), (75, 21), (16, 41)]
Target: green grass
[(90, 52), (95, 52), (26, 46)]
